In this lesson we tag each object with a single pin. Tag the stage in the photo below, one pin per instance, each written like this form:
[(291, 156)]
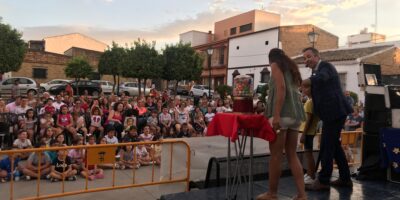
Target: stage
[(366, 190)]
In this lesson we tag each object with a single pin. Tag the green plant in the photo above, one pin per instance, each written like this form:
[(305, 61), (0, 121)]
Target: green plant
[(263, 90), (224, 90), (354, 96)]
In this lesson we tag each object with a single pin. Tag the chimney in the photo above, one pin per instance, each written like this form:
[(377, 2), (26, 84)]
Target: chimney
[(210, 37)]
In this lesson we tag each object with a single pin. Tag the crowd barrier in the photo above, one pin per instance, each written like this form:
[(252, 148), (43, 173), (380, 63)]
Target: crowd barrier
[(102, 154)]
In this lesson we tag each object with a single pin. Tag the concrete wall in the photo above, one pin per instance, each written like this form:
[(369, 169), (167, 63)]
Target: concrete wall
[(222, 28), (195, 38), (59, 44), (266, 20), (252, 55)]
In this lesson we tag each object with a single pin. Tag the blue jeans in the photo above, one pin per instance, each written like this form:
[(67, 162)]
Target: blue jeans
[(331, 148)]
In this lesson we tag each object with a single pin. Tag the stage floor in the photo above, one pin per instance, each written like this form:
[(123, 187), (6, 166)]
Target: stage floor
[(368, 190)]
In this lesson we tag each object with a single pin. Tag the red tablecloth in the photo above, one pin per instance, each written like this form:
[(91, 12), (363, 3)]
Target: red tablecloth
[(228, 124)]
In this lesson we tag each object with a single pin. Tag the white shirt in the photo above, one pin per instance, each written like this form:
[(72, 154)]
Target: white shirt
[(20, 110), (209, 116), (11, 107), (58, 105), (112, 140)]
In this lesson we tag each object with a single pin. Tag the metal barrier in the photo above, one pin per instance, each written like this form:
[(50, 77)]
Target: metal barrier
[(99, 154)]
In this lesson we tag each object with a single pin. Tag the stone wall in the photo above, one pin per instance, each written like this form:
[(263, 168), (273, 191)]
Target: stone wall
[(295, 38), (389, 61)]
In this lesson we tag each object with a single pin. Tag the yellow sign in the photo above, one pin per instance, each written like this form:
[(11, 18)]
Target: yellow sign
[(101, 155)]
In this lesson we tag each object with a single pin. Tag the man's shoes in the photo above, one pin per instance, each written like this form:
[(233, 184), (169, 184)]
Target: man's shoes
[(308, 180), (317, 186), (340, 183)]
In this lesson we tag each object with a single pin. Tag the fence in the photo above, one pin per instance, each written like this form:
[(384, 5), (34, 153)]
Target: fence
[(102, 154)]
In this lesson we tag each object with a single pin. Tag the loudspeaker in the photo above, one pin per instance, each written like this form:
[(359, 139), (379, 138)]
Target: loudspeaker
[(375, 113), (371, 160)]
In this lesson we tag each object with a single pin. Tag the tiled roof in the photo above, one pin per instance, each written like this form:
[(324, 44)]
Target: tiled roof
[(346, 54)]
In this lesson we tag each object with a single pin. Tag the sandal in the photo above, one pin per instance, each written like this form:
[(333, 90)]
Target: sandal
[(267, 196)]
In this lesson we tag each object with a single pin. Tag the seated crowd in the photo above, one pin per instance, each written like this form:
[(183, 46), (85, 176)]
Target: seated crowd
[(65, 120)]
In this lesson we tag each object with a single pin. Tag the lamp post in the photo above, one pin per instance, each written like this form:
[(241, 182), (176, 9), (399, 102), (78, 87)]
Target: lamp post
[(313, 37), (209, 53)]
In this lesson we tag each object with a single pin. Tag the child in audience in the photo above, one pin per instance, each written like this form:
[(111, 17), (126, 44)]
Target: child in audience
[(309, 130), (127, 158), (22, 143), (146, 136), (64, 121), (6, 168), (31, 169), (129, 122), (209, 115), (95, 122), (152, 121), (48, 137), (77, 155), (199, 124), (45, 122), (28, 123), (165, 120), (184, 132), (142, 155), (110, 137), (61, 168)]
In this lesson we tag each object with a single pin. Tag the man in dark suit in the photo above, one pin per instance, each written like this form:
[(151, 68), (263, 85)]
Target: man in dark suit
[(332, 108)]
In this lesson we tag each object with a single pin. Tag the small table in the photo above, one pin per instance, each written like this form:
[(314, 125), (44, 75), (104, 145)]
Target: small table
[(231, 125)]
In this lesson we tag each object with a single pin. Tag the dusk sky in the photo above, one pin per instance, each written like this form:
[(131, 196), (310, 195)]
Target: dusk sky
[(163, 20)]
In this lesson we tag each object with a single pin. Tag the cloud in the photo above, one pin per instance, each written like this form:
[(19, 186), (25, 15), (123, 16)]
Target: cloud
[(163, 34), (310, 11), (216, 5)]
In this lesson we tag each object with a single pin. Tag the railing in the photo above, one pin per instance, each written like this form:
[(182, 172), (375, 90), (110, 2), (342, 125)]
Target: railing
[(100, 154)]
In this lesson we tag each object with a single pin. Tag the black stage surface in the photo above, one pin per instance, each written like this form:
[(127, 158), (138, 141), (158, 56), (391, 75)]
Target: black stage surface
[(370, 190)]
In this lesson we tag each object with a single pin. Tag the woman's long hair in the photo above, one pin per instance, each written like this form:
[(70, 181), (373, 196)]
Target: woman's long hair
[(285, 63)]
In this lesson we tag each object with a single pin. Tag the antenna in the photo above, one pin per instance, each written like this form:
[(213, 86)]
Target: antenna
[(376, 16)]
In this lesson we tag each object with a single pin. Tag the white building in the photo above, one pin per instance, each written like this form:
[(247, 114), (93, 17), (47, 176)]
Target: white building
[(348, 61)]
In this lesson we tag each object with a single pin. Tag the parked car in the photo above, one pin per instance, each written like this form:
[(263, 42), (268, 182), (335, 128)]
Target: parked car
[(46, 86), (132, 89), (201, 90), (180, 90), (25, 85), (106, 86), (93, 88)]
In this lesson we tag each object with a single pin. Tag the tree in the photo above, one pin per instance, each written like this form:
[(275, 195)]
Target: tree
[(144, 63), (78, 68), (181, 62), (12, 48), (112, 61)]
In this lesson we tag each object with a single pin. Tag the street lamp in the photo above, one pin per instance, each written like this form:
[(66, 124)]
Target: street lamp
[(209, 53), (313, 37)]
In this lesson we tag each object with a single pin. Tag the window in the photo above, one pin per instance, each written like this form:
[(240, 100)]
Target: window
[(9, 81), (246, 27), (39, 73), (233, 31), (221, 56), (343, 80)]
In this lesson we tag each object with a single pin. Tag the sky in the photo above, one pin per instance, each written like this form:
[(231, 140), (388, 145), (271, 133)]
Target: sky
[(124, 21)]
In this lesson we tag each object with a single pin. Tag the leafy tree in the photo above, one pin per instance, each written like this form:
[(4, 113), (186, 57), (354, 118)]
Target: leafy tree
[(78, 68), (112, 62), (12, 48), (144, 63), (224, 90), (181, 62)]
